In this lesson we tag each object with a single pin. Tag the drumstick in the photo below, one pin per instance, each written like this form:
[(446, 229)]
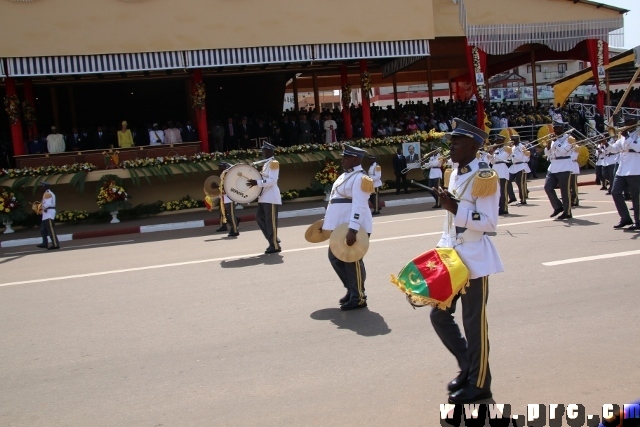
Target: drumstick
[(433, 190)]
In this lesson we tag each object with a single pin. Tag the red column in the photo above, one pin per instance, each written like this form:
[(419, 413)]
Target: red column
[(16, 128), (32, 128), (346, 110), (598, 52), (201, 114), (478, 90), (366, 110)]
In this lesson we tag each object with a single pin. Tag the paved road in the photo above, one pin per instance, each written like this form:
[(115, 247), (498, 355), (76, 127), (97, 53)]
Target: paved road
[(192, 329)]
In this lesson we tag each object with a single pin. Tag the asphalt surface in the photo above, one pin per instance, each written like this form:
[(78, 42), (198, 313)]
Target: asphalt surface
[(191, 328)]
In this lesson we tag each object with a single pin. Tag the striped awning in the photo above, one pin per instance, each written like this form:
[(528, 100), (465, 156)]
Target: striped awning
[(366, 50), (247, 56), (2, 73), (399, 64), (92, 64)]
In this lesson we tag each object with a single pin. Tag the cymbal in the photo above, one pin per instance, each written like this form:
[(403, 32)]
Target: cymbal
[(315, 233), (212, 186), (339, 248)]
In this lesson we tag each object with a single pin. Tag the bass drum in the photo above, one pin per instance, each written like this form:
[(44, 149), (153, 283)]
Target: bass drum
[(234, 182)]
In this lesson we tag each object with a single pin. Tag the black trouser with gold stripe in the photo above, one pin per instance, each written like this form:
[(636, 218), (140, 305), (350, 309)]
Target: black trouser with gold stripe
[(520, 178), (562, 180), (435, 183), (230, 213), (48, 228), (575, 201), (267, 219), (374, 198), (472, 352), (504, 201), (352, 275)]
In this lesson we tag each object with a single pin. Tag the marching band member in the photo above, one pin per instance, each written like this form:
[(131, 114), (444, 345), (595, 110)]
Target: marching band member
[(500, 158), (600, 156), (610, 164), (575, 171), (466, 226), (520, 168), (269, 200), (48, 226), (434, 164), (232, 220), (375, 172), (558, 153), (628, 176), (348, 203)]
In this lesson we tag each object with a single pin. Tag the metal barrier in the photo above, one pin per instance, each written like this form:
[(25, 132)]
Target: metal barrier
[(589, 110)]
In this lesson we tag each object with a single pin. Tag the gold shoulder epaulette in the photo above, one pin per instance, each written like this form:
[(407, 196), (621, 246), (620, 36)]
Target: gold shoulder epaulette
[(378, 169), (508, 150), (367, 184), (274, 164), (485, 183)]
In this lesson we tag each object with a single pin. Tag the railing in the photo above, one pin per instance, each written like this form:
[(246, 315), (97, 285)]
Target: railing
[(589, 110)]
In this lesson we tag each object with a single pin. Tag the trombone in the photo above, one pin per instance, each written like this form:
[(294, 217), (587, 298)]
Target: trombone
[(544, 139)]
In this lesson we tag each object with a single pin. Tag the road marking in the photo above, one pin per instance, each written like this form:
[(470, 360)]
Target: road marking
[(409, 219), (228, 258), (70, 247), (591, 258)]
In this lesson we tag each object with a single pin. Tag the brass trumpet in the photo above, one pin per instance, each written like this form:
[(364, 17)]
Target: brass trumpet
[(614, 131)]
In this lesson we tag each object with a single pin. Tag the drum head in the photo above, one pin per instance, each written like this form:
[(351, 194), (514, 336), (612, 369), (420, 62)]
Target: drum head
[(235, 183), (212, 186)]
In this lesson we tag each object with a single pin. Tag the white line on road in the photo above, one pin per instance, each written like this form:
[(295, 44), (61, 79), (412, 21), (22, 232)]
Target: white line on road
[(72, 247), (408, 219), (591, 258), (228, 258)]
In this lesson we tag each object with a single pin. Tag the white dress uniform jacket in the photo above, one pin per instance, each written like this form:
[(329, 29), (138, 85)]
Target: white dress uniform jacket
[(559, 155), (612, 152), (520, 160), (357, 213), (375, 172), (269, 184), (574, 160), (630, 156), (477, 216), (434, 164), (484, 157), (499, 159), (49, 202), (601, 156)]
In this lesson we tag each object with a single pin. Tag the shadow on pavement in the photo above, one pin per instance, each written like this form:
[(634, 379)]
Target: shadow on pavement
[(363, 322), (266, 259), (581, 222)]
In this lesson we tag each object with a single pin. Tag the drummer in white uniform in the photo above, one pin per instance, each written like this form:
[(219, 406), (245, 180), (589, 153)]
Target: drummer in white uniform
[(270, 199), (519, 168), (500, 158)]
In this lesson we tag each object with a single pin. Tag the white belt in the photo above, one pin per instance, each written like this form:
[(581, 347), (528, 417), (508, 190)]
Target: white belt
[(468, 236)]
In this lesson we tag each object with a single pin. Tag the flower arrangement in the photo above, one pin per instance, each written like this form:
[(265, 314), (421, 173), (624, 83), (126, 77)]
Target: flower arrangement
[(290, 195), (346, 95), (47, 170), (111, 195), (199, 96), (72, 216), (28, 112), (478, 70), (185, 203), (12, 107), (365, 82), (12, 206), (326, 177)]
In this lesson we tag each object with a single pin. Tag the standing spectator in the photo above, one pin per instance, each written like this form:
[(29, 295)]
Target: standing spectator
[(305, 130), (330, 127), (533, 162), (316, 129), (504, 121), (217, 136), (172, 134), (156, 136), (37, 145), (100, 139), (189, 133), (292, 131), (230, 135), (125, 137), (74, 141), (399, 165), (244, 134), (260, 130), (55, 141), (276, 133)]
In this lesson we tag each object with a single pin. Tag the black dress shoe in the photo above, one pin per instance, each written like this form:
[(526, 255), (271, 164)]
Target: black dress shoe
[(42, 245), (512, 201), (353, 305), (521, 204), (623, 223), (469, 394), (635, 227), (565, 216), (608, 193), (573, 205), (556, 212), (233, 234), (375, 213), (458, 382), (501, 212), (221, 229), (53, 248), (603, 188), (436, 207), (272, 250), (345, 299)]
